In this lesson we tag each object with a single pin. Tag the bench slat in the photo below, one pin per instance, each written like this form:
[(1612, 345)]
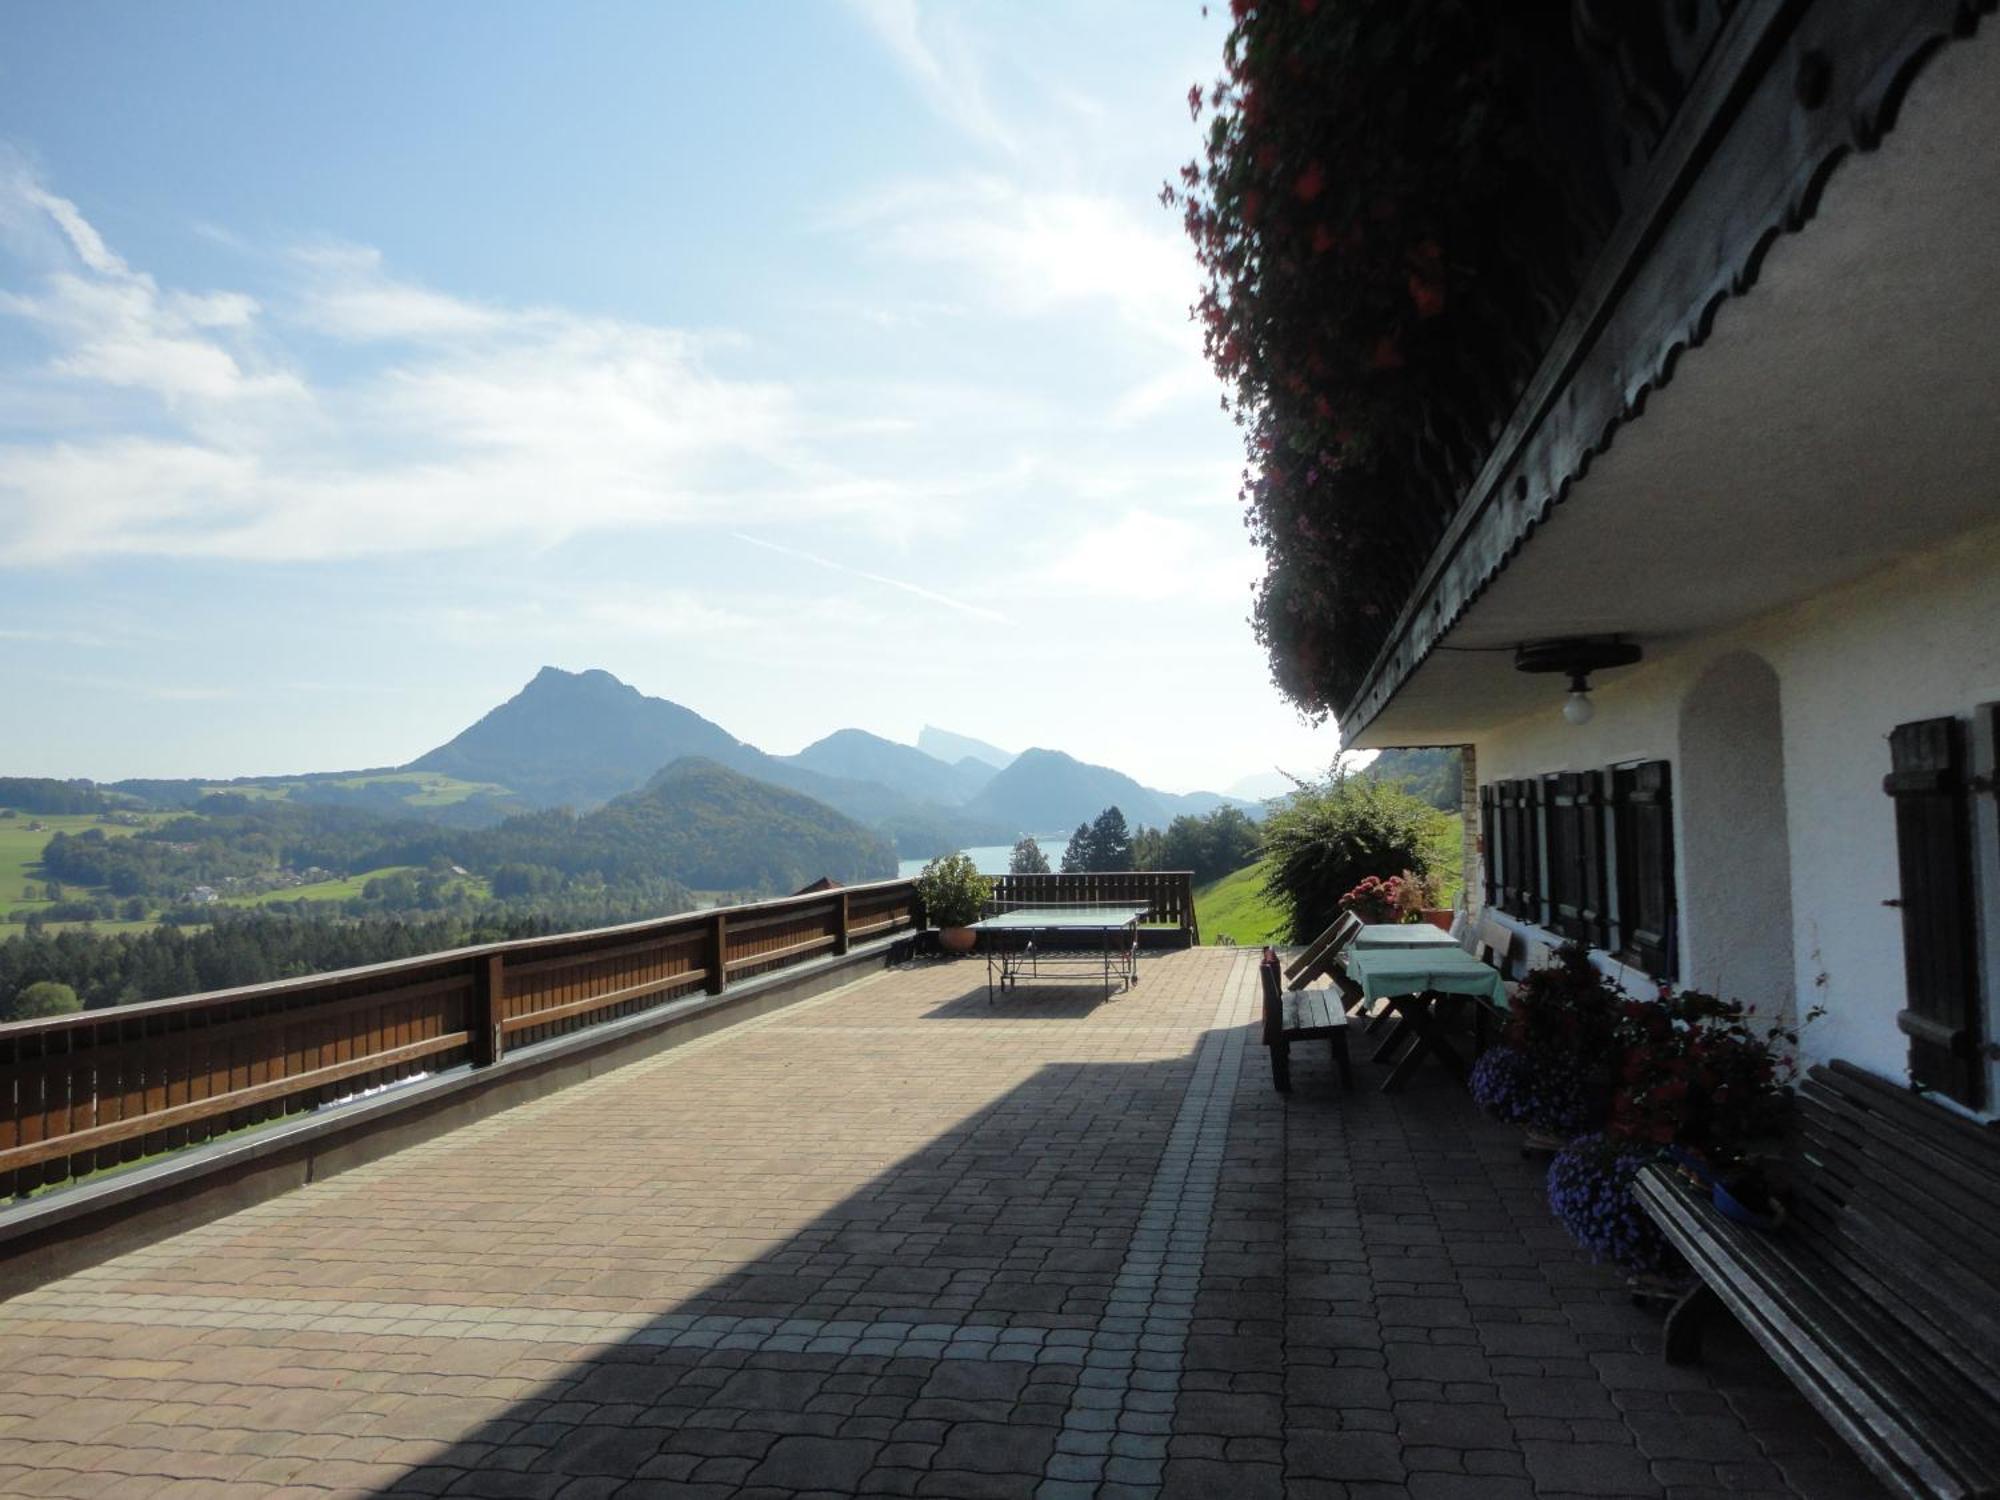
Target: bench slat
[(1310, 1013), (1930, 1241)]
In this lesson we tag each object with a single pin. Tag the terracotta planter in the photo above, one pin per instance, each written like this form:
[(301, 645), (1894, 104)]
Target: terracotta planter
[(957, 939), (1439, 919)]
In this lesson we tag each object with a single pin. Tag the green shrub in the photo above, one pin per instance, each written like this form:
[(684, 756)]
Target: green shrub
[(953, 891), (1331, 835)]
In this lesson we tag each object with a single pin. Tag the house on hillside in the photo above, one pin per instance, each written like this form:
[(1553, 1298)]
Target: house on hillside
[(1716, 614)]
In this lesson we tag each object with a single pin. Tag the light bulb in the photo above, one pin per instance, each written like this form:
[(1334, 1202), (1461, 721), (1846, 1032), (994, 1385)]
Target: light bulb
[(1577, 707)]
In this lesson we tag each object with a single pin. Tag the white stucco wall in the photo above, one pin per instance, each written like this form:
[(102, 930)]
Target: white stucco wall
[(1917, 640)]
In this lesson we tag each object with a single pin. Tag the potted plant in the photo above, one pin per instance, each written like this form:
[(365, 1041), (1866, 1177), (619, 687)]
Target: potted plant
[(1417, 900), (954, 894), (1590, 1192)]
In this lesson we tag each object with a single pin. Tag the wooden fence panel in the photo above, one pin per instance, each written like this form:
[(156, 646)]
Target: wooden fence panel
[(84, 1093)]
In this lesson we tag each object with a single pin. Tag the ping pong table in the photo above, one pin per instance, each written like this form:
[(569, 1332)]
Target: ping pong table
[(1029, 938)]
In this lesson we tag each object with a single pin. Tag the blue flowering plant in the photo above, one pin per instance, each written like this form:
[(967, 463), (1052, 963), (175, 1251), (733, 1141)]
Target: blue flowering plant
[(1541, 1090), (1590, 1193)]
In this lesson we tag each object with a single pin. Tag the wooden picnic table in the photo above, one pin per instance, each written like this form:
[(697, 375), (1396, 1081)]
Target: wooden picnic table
[(1428, 987)]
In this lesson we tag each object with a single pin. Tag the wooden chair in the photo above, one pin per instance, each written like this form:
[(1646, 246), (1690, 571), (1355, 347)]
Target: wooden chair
[(1300, 1015)]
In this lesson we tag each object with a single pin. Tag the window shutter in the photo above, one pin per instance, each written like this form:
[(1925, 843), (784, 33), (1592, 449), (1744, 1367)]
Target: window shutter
[(1645, 812), (1927, 781), (1565, 900), (1522, 843), (1489, 850), (1577, 904)]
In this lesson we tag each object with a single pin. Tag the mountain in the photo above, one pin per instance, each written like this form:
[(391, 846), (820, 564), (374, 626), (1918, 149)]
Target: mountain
[(1263, 785), (1432, 774), (576, 737), (715, 829), (1201, 804), (860, 756), (952, 748), (1045, 791)]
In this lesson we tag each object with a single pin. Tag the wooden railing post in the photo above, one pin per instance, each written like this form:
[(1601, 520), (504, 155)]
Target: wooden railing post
[(718, 954), (840, 937), (482, 1024)]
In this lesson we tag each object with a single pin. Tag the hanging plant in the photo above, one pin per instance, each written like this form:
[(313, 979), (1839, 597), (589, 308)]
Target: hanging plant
[(1395, 201)]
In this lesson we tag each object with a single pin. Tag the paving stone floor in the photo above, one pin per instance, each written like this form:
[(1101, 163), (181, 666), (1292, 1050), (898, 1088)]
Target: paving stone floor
[(897, 1241)]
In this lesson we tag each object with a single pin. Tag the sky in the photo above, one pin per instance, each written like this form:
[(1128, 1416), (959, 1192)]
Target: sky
[(811, 365)]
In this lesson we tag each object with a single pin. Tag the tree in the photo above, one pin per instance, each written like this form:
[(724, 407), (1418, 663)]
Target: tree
[(1028, 858), (1077, 856), (1110, 841), (1333, 834), (43, 998), (1149, 851)]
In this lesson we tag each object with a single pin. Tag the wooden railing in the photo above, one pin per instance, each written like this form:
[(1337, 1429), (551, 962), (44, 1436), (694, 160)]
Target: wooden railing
[(1167, 895), (84, 1092)]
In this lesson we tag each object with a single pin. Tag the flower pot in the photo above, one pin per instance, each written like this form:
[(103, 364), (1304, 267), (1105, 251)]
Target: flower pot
[(957, 939), (1440, 919)]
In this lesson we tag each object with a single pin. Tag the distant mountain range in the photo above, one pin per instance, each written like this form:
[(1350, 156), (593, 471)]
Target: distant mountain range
[(583, 739)]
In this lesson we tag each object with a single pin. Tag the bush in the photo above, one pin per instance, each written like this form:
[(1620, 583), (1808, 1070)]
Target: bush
[(1590, 1192), (954, 892), (45, 997), (1332, 835)]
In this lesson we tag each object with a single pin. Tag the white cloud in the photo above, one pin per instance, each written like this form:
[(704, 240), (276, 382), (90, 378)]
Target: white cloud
[(942, 62), (1043, 252), (456, 424)]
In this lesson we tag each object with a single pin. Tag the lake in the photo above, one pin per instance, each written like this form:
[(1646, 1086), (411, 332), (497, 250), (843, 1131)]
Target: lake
[(991, 859)]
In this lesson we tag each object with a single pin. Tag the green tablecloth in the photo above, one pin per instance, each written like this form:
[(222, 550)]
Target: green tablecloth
[(1403, 935), (1410, 971)]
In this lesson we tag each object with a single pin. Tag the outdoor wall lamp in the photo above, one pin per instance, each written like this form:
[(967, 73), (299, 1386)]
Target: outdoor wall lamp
[(1576, 657)]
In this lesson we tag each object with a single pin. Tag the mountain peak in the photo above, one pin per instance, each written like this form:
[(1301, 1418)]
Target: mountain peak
[(944, 745), (576, 737)]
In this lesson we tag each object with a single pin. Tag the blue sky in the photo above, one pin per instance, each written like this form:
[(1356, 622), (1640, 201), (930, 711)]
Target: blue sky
[(811, 365)]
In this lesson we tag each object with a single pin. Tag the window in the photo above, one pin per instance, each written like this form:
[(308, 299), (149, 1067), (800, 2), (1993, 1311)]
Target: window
[(1589, 854), (1931, 787)]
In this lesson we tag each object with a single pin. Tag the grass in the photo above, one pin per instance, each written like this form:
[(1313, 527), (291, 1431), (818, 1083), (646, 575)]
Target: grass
[(21, 850), (345, 889), (1235, 908), (416, 788)]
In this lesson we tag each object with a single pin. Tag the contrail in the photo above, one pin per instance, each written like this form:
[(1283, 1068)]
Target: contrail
[(976, 611)]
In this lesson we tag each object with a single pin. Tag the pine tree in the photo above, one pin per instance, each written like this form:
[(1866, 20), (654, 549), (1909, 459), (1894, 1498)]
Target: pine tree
[(1028, 858), (1077, 857), (1110, 841)]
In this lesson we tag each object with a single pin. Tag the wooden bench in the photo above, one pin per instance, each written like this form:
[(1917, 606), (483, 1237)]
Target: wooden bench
[(1300, 1016), (1880, 1296)]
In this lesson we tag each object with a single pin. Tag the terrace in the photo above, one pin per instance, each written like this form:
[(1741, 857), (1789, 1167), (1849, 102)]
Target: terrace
[(890, 1239)]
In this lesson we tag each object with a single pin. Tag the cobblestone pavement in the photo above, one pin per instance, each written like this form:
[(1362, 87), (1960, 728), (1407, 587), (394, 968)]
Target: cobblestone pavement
[(895, 1241)]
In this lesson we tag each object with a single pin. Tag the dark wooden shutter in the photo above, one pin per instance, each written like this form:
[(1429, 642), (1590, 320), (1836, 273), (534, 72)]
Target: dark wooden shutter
[(1559, 815), (1576, 887), (1489, 850), (1927, 780), (1645, 813), (1520, 850)]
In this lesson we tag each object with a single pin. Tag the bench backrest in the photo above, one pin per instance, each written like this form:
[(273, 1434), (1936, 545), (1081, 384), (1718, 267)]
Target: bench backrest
[(1323, 950), (1495, 943), (1274, 1001), (1905, 1197)]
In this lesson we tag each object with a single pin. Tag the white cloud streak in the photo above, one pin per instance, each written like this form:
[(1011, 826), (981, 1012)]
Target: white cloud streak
[(976, 611)]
